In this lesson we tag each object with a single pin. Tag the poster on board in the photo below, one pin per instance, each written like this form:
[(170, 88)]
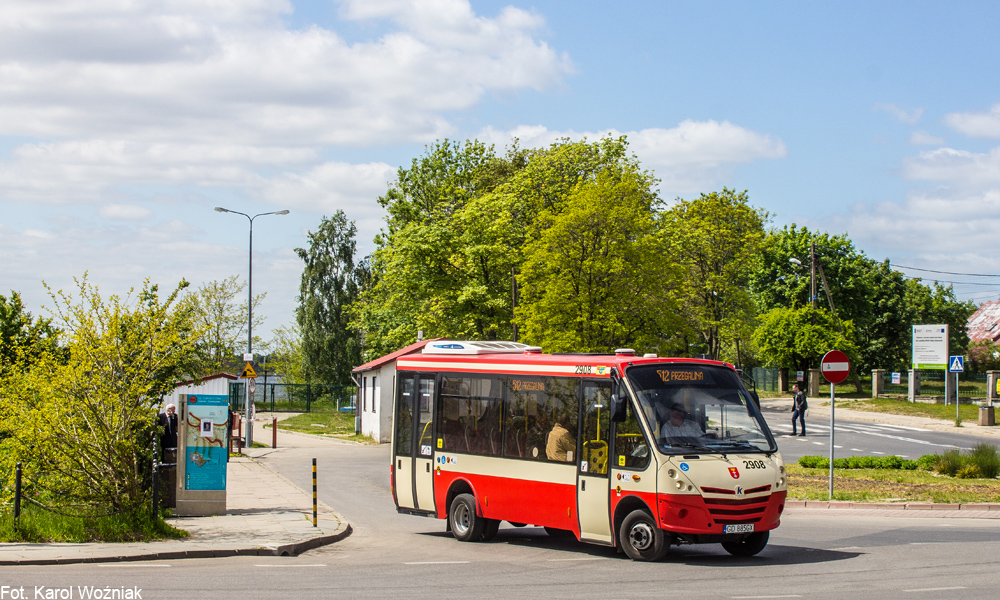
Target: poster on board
[(930, 347), (205, 452)]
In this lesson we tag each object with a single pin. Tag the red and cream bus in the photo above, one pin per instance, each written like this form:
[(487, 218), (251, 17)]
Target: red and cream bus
[(621, 450)]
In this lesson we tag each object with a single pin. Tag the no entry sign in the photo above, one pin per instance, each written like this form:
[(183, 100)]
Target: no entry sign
[(835, 366)]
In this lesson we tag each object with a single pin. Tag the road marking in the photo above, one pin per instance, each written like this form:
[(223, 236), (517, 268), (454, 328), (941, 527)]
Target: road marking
[(290, 565), (836, 446), (882, 453), (856, 450), (940, 589), (817, 443), (439, 562), (572, 559), (850, 548), (755, 597), (131, 566)]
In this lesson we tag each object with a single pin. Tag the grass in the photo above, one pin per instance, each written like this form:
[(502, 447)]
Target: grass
[(888, 485), (40, 526), (337, 424)]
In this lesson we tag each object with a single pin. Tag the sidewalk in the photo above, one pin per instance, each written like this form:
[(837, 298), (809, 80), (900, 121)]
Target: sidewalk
[(266, 516)]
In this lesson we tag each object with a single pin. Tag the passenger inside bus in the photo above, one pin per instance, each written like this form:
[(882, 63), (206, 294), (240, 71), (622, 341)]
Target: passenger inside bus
[(560, 444)]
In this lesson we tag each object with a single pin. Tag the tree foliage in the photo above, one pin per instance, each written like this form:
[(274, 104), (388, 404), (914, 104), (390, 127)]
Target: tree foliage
[(329, 286), (220, 313), (22, 337), (713, 238), (82, 421), (799, 337)]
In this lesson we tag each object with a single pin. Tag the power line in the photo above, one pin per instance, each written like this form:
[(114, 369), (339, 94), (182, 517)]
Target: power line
[(943, 272), (955, 282)]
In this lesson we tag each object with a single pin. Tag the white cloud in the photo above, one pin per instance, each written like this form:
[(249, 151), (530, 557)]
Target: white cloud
[(977, 125), (692, 157), (231, 71), (922, 138), (910, 117), (959, 168), (125, 212)]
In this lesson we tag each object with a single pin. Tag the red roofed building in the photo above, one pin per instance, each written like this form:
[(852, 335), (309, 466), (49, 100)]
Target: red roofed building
[(376, 381), (984, 324)]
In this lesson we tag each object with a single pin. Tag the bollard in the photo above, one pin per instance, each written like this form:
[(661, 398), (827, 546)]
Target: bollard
[(274, 432), (314, 492), (17, 494)]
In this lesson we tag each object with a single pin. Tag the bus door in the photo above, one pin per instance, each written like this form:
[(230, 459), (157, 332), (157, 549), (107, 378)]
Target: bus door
[(413, 453), (593, 491)]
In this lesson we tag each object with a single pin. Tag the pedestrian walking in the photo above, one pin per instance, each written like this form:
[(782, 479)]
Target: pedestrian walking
[(799, 407)]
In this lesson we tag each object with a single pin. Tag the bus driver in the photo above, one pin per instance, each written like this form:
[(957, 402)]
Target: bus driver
[(680, 426)]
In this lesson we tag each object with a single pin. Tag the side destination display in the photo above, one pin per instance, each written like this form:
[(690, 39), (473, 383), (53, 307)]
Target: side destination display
[(205, 456)]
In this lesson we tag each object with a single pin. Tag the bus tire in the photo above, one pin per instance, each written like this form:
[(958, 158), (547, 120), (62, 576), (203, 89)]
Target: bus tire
[(466, 525), (748, 546), (641, 539), (490, 528)]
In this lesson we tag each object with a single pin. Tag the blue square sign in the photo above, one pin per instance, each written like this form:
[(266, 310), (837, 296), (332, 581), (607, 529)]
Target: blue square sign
[(956, 364)]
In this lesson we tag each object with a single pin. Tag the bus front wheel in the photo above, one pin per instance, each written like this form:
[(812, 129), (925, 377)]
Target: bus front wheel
[(748, 546), (466, 526), (640, 538)]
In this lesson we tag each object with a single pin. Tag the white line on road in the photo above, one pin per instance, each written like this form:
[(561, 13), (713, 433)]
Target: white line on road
[(131, 566), (940, 589), (756, 597), (439, 562), (572, 559), (290, 565)]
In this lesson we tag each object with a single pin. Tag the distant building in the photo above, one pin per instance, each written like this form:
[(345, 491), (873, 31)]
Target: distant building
[(984, 324), (376, 381)]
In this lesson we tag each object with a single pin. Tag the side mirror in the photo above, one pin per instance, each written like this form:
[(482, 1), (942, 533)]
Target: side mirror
[(617, 408)]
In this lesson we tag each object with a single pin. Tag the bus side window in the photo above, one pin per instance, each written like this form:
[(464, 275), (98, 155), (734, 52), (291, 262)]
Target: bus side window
[(631, 449)]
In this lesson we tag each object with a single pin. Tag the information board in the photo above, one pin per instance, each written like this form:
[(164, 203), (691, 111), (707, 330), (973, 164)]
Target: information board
[(205, 441), (930, 347)]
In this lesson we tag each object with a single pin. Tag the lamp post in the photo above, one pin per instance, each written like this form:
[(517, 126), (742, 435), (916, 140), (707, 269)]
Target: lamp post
[(246, 388), (812, 274)]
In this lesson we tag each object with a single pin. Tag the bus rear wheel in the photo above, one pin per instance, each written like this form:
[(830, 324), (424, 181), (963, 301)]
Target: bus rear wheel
[(466, 526), (748, 546), (641, 539)]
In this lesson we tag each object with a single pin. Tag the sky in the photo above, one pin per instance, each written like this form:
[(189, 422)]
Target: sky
[(123, 123)]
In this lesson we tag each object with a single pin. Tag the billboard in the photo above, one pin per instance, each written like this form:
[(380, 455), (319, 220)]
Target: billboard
[(930, 347), (206, 443)]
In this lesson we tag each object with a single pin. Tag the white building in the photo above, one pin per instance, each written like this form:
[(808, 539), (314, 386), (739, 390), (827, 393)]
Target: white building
[(376, 381)]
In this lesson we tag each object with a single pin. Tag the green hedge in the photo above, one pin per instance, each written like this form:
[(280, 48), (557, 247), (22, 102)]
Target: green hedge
[(869, 462), (982, 462)]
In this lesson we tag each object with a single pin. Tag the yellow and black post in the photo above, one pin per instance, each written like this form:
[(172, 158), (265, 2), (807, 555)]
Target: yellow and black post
[(314, 492)]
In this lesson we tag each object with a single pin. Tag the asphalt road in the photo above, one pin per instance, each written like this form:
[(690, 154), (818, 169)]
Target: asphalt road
[(812, 555), (857, 438)]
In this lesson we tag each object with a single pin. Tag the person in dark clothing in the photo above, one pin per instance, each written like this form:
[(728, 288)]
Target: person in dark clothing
[(168, 421), (799, 406)]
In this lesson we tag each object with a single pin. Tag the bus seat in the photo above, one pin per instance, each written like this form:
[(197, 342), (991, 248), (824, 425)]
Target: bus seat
[(596, 454)]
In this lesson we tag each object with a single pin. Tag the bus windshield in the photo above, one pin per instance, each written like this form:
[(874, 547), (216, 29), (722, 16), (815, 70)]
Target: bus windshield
[(699, 408)]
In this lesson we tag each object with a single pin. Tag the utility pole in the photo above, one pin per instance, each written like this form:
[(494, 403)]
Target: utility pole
[(812, 277)]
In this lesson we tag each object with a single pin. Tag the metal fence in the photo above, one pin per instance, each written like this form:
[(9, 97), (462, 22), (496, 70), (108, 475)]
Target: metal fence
[(766, 379), (295, 397), (931, 383)]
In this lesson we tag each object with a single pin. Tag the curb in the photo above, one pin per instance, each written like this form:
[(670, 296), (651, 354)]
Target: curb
[(285, 550), (892, 506)]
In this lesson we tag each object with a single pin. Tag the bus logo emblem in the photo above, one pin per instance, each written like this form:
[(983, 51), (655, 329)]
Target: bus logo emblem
[(739, 491), (734, 472)]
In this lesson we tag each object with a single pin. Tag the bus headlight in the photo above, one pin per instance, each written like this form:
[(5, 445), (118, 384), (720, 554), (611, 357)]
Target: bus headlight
[(672, 473), (680, 485)]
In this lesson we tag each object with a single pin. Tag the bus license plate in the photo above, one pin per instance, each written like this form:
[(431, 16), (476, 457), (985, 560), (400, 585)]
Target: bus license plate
[(741, 528)]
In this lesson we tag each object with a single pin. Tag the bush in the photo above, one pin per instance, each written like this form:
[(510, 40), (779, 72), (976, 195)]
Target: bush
[(984, 457), (950, 463), (860, 462), (927, 462)]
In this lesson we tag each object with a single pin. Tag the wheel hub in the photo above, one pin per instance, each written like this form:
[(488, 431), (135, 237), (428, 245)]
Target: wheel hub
[(641, 536)]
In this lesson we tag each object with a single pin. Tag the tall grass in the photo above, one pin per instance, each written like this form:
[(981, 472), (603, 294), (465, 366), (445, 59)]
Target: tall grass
[(36, 525), (982, 462)]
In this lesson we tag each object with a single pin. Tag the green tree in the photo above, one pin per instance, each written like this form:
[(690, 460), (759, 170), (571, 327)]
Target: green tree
[(285, 354), (329, 285), (799, 337), (715, 238), (82, 422), (220, 309), (591, 282), (21, 336), (458, 220), (937, 304)]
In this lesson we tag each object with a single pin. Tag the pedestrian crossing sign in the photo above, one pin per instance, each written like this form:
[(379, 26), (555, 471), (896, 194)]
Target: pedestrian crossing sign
[(957, 364)]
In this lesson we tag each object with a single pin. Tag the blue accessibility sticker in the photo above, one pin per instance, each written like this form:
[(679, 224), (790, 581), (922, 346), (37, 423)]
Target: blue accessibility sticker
[(684, 467)]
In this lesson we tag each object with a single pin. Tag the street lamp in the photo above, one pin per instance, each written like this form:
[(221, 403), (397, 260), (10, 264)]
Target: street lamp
[(812, 274), (246, 388)]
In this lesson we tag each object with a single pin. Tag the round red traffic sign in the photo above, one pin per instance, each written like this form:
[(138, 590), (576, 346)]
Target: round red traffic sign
[(835, 366)]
